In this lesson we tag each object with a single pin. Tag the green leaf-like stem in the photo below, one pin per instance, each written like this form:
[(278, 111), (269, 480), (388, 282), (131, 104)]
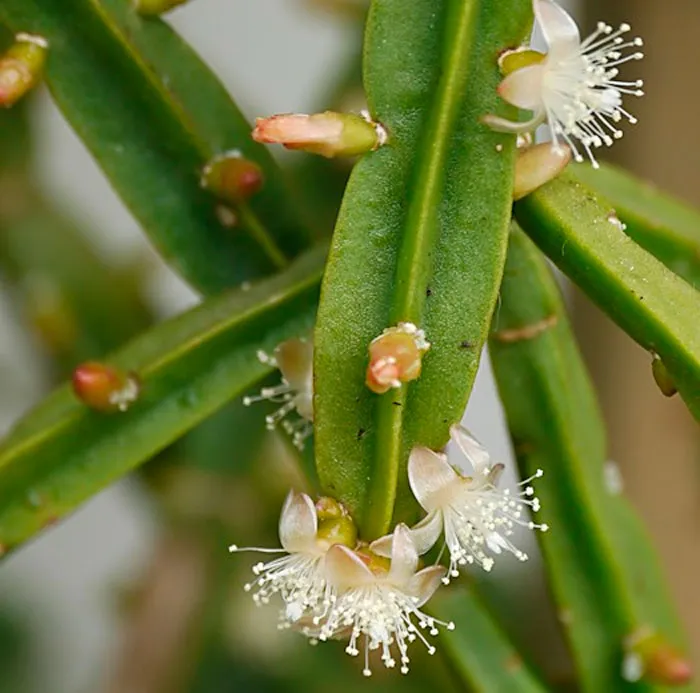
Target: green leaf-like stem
[(153, 115), (480, 653), (421, 237), (654, 306), (61, 453), (663, 225), (596, 550)]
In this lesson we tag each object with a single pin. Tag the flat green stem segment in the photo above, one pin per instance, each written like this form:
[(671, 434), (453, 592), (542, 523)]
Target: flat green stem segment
[(479, 651), (61, 453), (421, 237), (653, 305), (153, 114), (663, 225), (603, 572)]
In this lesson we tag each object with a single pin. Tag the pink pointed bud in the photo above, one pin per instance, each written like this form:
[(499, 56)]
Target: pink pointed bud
[(153, 8), (395, 357), (231, 177), (104, 388), (538, 165), (511, 60), (328, 134), (21, 67), (662, 377), (649, 656)]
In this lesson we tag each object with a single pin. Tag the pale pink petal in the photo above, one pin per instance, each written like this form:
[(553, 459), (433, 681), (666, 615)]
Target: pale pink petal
[(558, 28), (429, 473), (345, 569), (475, 454), (404, 557), (426, 533), (424, 584), (523, 88), (382, 546), (298, 523), (295, 361), (424, 536), (498, 124)]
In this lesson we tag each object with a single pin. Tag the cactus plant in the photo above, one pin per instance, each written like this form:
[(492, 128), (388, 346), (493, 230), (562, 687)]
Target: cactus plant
[(366, 336)]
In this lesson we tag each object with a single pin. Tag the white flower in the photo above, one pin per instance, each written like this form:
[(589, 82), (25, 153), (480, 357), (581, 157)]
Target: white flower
[(575, 87), (299, 576), (294, 359), (475, 516), (377, 605)]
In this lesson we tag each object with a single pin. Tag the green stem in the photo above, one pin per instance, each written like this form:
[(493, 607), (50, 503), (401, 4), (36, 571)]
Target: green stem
[(257, 231), (414, 265), (654, 306)]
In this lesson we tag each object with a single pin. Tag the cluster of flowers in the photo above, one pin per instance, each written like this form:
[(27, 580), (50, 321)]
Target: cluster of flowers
[(333, 586)]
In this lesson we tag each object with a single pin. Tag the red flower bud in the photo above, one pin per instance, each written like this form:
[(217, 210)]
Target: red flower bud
[(104, 388)]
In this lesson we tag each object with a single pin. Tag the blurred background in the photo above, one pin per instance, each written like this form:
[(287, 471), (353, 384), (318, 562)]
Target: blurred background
[(113, 599)]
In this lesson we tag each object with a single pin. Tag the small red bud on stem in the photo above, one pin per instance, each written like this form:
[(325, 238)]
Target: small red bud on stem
[(104, 388), (231, 177), (652, 658), (395, 357)]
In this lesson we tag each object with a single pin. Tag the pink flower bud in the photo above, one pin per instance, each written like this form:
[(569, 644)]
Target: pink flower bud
[(328, 134), (395, 357)]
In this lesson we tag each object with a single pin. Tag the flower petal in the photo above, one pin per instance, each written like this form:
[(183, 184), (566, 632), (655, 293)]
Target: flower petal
[(523, 88), (345, 569), (424, 584), (295, 361), (428, 473), (425, 534), (404, 557), (475, 453), (558, 27), (298, 523)]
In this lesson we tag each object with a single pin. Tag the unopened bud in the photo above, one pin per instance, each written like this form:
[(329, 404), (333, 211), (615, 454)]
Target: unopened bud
[(153, 8), (662, 377), (338, 530), (21, 67), (104, 388), (329, 134), (512, 60), (652, 658), (537, 165), (329, 508), (395, 357), (231, 177)]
